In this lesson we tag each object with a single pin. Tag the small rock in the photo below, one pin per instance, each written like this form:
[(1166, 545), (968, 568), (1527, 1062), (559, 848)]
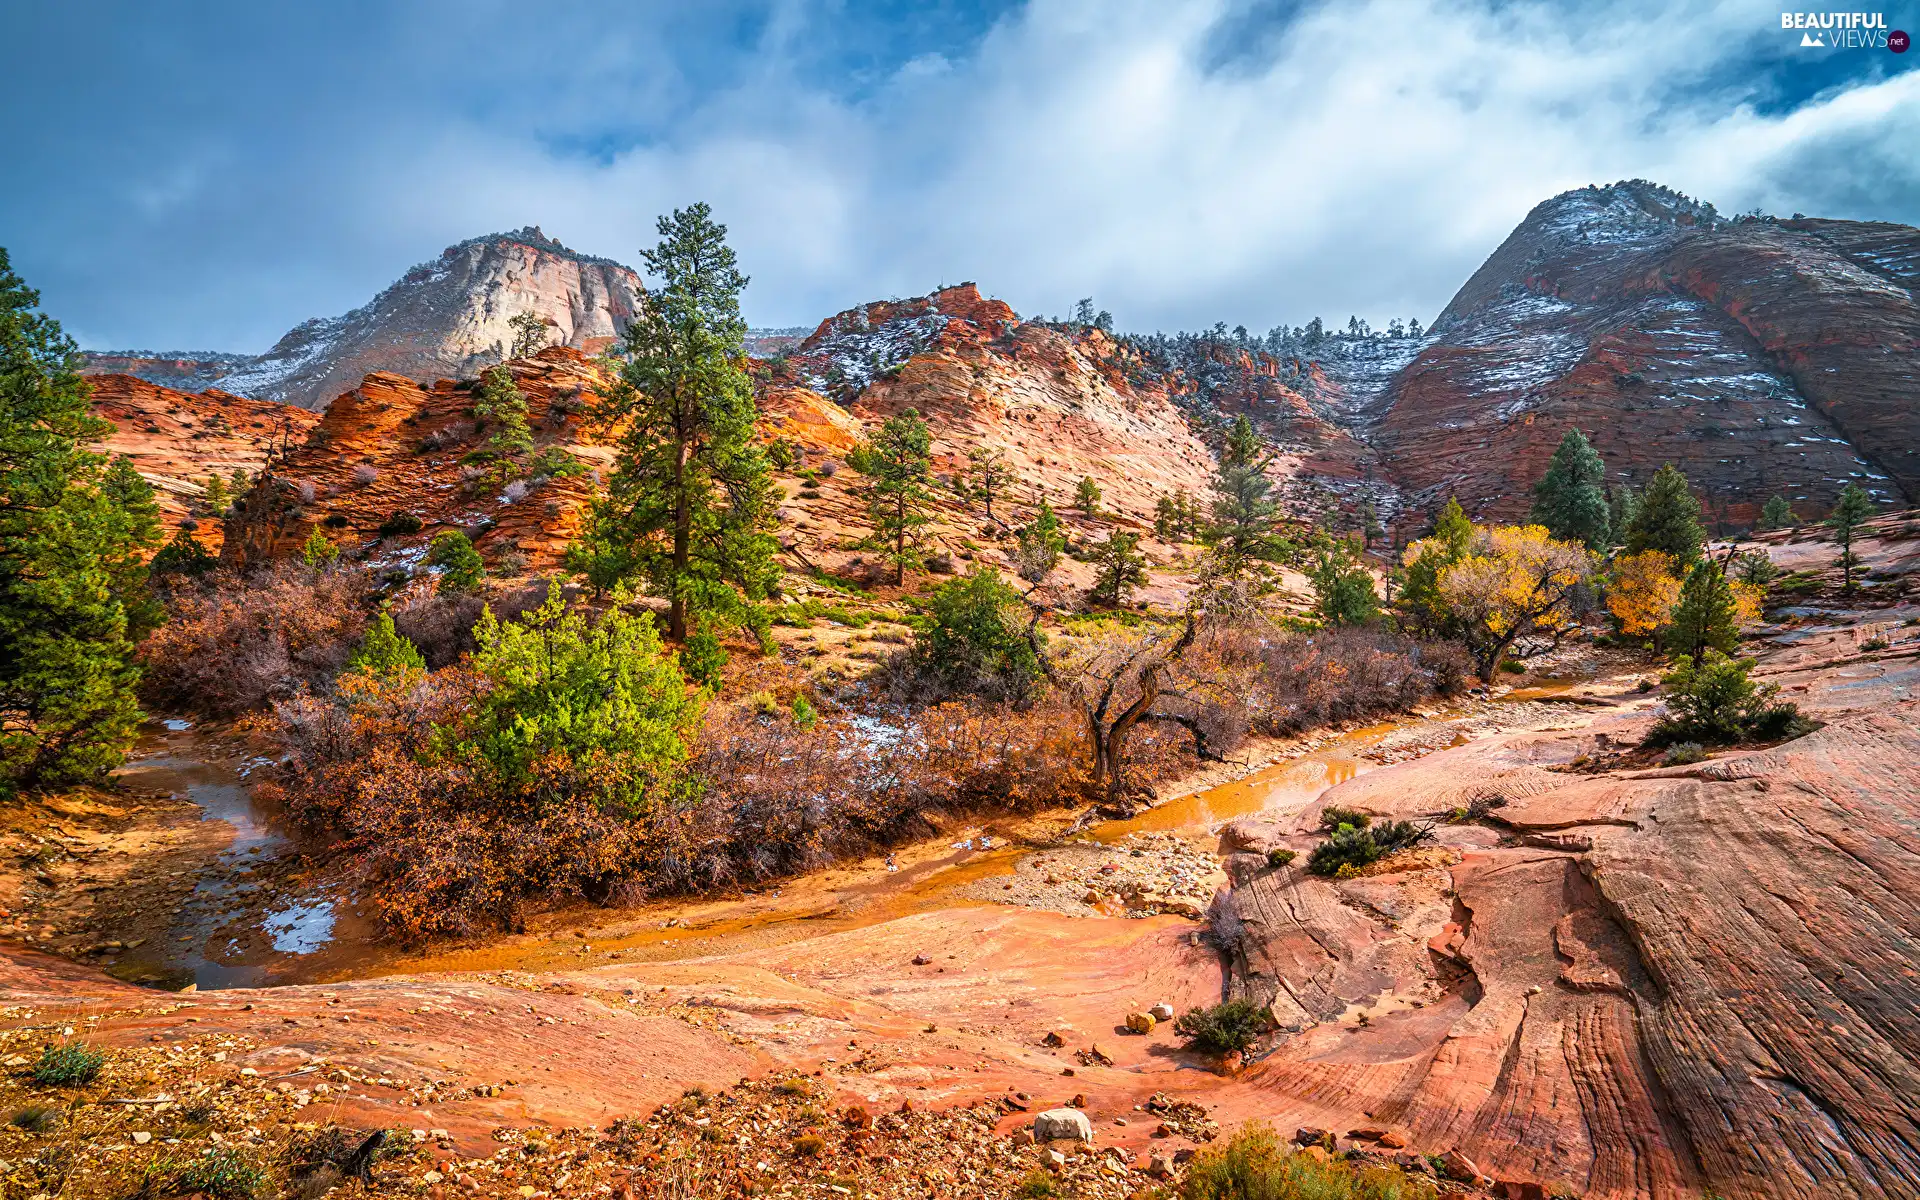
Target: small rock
[(1161, 1012), (1079, 1100), (921, 960), (1459, 1166), (1023, 1137), (1307, 1135), (1160, 1166), (1062, 1123), (142, 1137), (1056, 1160), (1054, 1038), (1367, 1133), (1394, 1139), (432, 1177), (1140, 1022)]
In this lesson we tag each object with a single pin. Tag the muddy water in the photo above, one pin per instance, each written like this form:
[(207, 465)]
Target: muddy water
[(238, 927)]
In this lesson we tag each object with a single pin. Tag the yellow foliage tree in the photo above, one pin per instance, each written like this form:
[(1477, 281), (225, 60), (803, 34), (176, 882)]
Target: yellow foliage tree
[(1516, 581), (1747, 599), (1645, 589)]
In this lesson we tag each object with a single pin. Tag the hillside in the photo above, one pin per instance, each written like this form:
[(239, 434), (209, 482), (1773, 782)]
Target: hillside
[(447, 317), (1760, 356)]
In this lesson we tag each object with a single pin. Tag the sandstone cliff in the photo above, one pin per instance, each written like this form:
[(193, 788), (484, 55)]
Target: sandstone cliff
[(448, 317), (1759, 356)]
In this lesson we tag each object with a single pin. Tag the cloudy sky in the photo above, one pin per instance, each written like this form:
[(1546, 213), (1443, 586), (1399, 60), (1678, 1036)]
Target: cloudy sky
[(205, 175)]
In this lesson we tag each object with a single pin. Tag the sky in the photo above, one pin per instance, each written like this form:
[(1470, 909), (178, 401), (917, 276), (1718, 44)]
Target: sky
[(203, 176)]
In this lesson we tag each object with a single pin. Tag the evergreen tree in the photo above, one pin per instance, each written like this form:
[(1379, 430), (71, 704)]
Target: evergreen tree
[(530, 335), (215, 495), (385, 650), (1667, 519), (1370, 528), (601, 554), (1086, 497), (318, 551), (1704, 617), (691, 494), (1342, 586), (500, 406), (1176, 518), (239, 483), (1623, 504), (1776, 513), (183, 555), (461, 567), (1040, 544), (1243, 541), (1119, 566), (1569, 499), (990, 475), (1853, 508), (133, 519), (67, 706), (974, 639), (897, 468)]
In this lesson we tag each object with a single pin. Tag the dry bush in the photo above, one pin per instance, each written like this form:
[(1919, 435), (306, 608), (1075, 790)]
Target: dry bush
[(1283, 683), (237, 645), (440, 624)]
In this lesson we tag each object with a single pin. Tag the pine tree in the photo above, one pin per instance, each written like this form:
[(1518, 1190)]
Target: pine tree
[(1776, 513), (1370, 528), (215, 495), (1704, 617), (385, 651), (1176, 518), (501, 406), (239, 483), (990, 475), (691, 494), (133, 529), (1040, 544), (1086, 497), (898, 497), (1243, 541), (530, 335), (183, 555), (1853, 508), (1426, 559), (1623, 504), (1342, 586), (1667, 519), (461, 567), (67, 706), (1119, 567), (318, 551), (1569, 499)]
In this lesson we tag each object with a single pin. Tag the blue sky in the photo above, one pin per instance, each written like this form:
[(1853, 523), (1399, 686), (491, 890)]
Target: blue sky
[(205, 175)]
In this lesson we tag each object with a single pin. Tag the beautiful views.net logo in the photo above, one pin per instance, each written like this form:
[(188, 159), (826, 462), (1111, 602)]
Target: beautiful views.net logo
[(1845, 31)]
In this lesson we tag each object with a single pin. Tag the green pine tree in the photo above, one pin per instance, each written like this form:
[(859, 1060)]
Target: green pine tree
[(499, 405), (1119, 568), (1569, 499), (134, 520), (602, 554), (1176, 518), (990, 475), (1854, 507), (385, 650), (895, 462), (691, 495), (67, 677), (1667, 518), (318, 551), (1420, 598), (1039, 545), (1243, 541), (238, 484), (1086, 497), (461, 567), (1622, 504), (1703, 619), (1342, 585), (184, 555), (1776, 513), (530, 335)]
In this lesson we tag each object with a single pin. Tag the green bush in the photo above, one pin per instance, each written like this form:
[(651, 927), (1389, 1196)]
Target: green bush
[(1357, 846), (1683, 754), (1280, 856), (1233, 1025), (973, 638), (556, 463), (1255, 1164), (1036, 1185), (803, 714), (702, 658), (461, 566), (399, 524), (1714, 702), (1333, 816), (69, 1064), (222, 1172)]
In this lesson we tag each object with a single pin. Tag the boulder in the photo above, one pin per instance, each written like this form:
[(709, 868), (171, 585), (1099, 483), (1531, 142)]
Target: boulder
[(1140, 1022), (1250, 835), (1161, 1012), (1307, 1135), (1062, 1123), (1459, 1166)]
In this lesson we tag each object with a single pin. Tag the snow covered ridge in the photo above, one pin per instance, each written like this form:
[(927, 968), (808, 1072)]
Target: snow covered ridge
[(850, 352)]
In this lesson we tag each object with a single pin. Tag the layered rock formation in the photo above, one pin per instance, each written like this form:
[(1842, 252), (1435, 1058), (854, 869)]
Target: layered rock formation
[(392, 447), (176, 439), (448, 317), (1759, 356)]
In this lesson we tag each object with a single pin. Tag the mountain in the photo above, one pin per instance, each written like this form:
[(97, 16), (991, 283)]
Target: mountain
[(1758, 355), (445, 318)]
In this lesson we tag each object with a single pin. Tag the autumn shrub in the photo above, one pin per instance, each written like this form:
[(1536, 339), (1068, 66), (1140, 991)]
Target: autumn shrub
[(240, 644), (440, 624), (1289, 682), (1255, 1164)]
